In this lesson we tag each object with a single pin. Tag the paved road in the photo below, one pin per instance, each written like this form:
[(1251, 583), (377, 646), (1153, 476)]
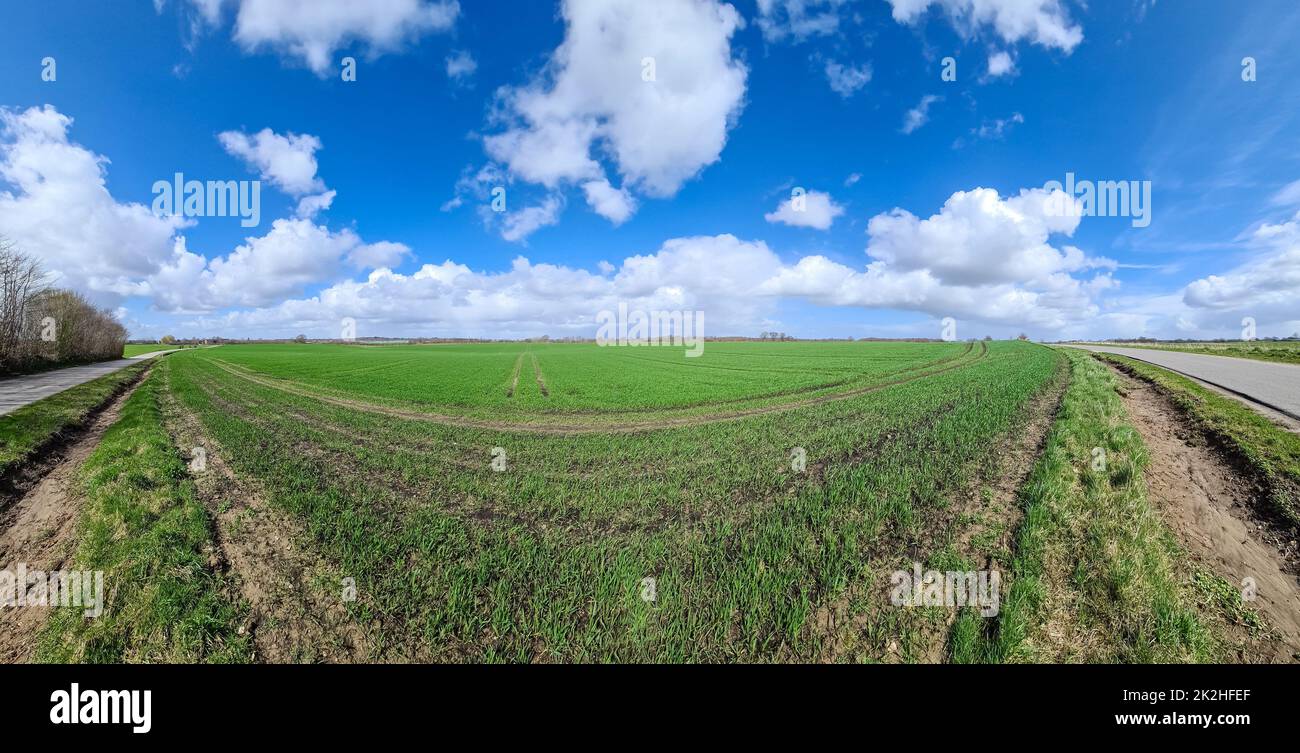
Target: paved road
[(15, 392), (1276, 385)]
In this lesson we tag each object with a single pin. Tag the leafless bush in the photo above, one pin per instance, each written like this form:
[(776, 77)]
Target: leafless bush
[(42, 327)]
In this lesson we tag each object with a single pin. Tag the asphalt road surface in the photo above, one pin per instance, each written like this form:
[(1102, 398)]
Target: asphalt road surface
[(15, 392), (1276, 385)]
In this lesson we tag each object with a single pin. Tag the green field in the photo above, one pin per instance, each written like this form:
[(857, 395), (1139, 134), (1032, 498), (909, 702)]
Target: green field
[(507, 379), (635, 463), (532, 502)]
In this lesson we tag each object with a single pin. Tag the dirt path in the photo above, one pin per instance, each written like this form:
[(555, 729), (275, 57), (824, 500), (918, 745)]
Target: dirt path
[(296, 602), (600, 428), (1211, 509), (39, 529)]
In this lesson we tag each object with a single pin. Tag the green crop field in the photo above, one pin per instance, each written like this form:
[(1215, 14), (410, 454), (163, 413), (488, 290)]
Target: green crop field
[(615, 465), (527, 382), (564, 502), (648, 332)]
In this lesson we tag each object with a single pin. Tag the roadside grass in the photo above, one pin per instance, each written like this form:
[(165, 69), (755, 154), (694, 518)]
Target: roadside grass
[(144, 527), (28, 428), (1096, 576), (1270, 452)]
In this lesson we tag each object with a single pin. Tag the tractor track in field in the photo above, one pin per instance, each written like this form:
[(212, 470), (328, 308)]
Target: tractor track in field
[(469, 459), (292, 617), (537, 374), (340, 462), (514, 378), (606, 428), (980, 525)]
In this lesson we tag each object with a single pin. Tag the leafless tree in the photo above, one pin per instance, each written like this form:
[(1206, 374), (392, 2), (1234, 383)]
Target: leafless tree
[(21, 280), (40, 326)]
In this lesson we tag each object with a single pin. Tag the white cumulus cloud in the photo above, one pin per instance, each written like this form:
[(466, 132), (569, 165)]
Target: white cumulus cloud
[(59, 208), (461, 65), (310, 206), (979, 238), (715, 274), (518, 225), (815, 209), (1042, 22), (1001, 64), (312, 30), (264, 270), (594, 101), (1266, 287), (288, 161), (981, 258), (614, 204)]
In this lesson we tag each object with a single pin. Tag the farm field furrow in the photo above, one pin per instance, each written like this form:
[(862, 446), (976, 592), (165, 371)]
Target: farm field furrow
[(544, 555)]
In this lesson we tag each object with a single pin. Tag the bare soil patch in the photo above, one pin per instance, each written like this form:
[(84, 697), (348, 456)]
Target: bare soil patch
[(1214, 510)]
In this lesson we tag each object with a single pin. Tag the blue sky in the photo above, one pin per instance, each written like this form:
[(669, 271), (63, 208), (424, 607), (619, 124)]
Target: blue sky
[(750, 101)]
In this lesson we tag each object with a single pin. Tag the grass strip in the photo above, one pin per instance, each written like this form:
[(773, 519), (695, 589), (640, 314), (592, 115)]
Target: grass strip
[(27, 429), (1096, 576), (145, 528)]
